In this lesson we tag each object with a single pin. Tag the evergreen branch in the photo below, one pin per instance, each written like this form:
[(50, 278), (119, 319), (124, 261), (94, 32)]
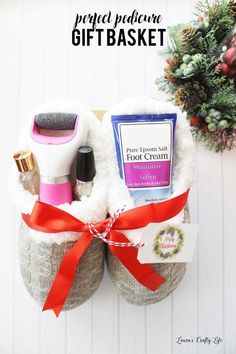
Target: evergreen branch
[(202, 8), (194, 79)]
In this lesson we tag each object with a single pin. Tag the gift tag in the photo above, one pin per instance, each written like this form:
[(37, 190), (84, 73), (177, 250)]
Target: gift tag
[(168, 243)]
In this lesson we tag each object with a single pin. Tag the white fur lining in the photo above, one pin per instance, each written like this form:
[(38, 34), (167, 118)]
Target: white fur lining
[(92, 209), (184, 154), (107, 178)]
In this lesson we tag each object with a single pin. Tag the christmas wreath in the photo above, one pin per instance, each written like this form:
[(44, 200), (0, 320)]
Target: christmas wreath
[(168, 242), (200, 75)]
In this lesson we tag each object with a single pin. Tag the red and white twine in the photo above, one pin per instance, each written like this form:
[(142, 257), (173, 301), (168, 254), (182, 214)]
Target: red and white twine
[(103, 235)]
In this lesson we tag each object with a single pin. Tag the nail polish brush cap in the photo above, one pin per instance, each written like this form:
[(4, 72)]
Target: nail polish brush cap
[(85, 171)]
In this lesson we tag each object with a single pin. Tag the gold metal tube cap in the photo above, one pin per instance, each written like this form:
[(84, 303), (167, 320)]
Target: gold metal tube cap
[(24, 161)]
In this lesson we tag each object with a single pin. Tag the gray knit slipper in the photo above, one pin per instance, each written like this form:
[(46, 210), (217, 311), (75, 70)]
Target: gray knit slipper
[(119, 197), (41, 253), (39, 262), (136, 293)]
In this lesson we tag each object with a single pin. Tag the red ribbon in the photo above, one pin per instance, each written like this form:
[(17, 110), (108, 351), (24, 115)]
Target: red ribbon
[(49, 219)]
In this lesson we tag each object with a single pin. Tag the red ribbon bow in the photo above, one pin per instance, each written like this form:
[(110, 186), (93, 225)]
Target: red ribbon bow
[(49, 219)]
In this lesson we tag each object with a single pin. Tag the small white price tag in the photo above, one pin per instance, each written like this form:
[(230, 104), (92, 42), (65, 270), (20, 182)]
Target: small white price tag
[(168, 243)]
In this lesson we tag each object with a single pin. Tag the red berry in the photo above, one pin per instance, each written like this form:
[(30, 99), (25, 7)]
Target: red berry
[(229, 71), (230, 56), (218, 67), (225, 69), (194, 121)]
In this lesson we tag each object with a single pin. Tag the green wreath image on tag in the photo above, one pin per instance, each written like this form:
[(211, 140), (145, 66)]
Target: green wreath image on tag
[(168, 242)]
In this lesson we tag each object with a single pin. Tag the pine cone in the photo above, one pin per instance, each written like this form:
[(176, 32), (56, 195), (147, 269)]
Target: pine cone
[(189, 95), (172, 63), (232, 6), (188, 36)]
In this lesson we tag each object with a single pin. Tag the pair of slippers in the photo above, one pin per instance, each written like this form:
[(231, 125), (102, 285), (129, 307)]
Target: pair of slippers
[(40, 253)]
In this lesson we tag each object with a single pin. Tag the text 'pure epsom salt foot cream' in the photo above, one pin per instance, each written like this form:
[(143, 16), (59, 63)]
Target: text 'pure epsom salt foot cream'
[(145, 147)]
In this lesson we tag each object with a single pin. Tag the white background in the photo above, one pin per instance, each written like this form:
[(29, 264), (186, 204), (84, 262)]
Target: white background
[(38, 62)]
